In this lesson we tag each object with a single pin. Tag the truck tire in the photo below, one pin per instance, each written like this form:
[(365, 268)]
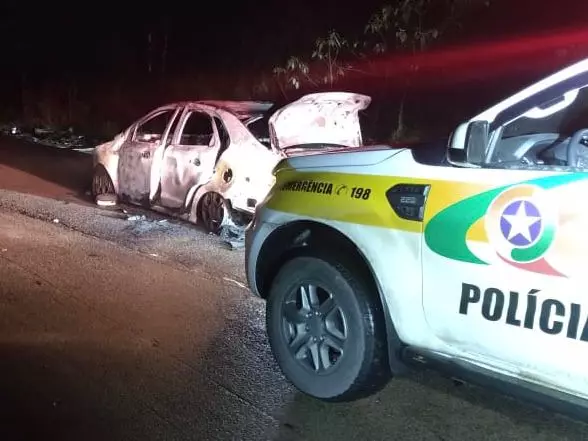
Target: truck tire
[(326, 329)]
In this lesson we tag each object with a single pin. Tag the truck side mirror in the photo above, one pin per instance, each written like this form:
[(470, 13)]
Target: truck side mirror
[(469, 143)]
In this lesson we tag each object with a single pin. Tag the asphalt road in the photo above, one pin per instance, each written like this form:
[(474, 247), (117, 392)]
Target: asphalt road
[(44, 171), (112, 329)]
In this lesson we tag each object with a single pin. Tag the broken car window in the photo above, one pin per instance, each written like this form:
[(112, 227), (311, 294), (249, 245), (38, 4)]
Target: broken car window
[(260, 129), (173, 128), (153, 129), (197, 130), (222, 133)]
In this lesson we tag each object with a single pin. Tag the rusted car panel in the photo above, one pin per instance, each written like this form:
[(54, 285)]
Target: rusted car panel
[(173, 156)]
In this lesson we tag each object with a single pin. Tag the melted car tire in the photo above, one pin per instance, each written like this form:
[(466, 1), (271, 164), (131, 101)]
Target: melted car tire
[(212, 200), (101, 182), (364, 369)]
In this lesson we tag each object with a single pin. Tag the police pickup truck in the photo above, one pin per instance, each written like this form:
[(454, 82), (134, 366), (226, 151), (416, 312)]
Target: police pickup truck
[(470, 256)]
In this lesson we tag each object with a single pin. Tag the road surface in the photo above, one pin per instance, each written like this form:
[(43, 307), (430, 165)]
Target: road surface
[(112, 329), (59, 173)]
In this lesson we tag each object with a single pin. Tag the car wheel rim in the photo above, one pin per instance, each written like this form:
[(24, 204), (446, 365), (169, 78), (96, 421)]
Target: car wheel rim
[(315, 328), (100, 185), (213, 211)]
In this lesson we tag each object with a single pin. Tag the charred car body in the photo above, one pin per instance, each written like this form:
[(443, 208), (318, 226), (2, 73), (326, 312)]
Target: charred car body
[(212, 160)]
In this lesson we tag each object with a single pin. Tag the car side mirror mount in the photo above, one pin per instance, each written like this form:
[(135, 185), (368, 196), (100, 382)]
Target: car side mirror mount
[(469, 144)]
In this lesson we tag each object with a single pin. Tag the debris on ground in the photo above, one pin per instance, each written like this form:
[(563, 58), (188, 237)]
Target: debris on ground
[(236, 282), (114, 214), (66, 139), (233, 235), (137, 217), (140, 225), (106, 200)]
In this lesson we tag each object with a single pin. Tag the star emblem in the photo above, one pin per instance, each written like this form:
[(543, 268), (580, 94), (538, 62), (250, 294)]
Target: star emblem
[(520, 223)]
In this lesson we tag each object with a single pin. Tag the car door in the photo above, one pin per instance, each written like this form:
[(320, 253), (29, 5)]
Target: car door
[(137, 152), (189, 159), (506, 240)]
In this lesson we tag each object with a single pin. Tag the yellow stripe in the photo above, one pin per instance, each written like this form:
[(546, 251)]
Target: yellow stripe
[(446, 193), (477, 231), (343, 200)]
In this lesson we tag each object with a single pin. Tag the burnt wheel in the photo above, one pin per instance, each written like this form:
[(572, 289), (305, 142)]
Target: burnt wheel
[(213, 211), (101, 183)]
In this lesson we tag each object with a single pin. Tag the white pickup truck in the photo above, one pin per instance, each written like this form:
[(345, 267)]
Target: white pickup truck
[(468, 256)]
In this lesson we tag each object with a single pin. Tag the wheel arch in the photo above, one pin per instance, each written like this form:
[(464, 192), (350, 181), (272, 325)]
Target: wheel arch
[(302, 238), (110, 170), (99, 166), (194, 198)]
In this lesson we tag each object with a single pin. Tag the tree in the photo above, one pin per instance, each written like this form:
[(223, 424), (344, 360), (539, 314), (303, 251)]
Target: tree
[(406, 27), (327, 51), (327, 68), (291, 75)]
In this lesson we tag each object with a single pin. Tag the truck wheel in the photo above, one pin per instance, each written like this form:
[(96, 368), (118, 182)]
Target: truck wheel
[(326, 329)]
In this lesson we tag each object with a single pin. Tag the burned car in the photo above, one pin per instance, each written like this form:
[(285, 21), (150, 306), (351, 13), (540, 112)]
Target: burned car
[(212, 161)]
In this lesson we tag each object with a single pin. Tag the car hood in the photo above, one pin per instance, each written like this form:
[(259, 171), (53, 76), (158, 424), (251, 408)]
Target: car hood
[(330, 118), (350, 157)]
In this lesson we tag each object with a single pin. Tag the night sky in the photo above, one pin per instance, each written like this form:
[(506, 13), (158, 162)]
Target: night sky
[(105, 42), (82, 37)]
